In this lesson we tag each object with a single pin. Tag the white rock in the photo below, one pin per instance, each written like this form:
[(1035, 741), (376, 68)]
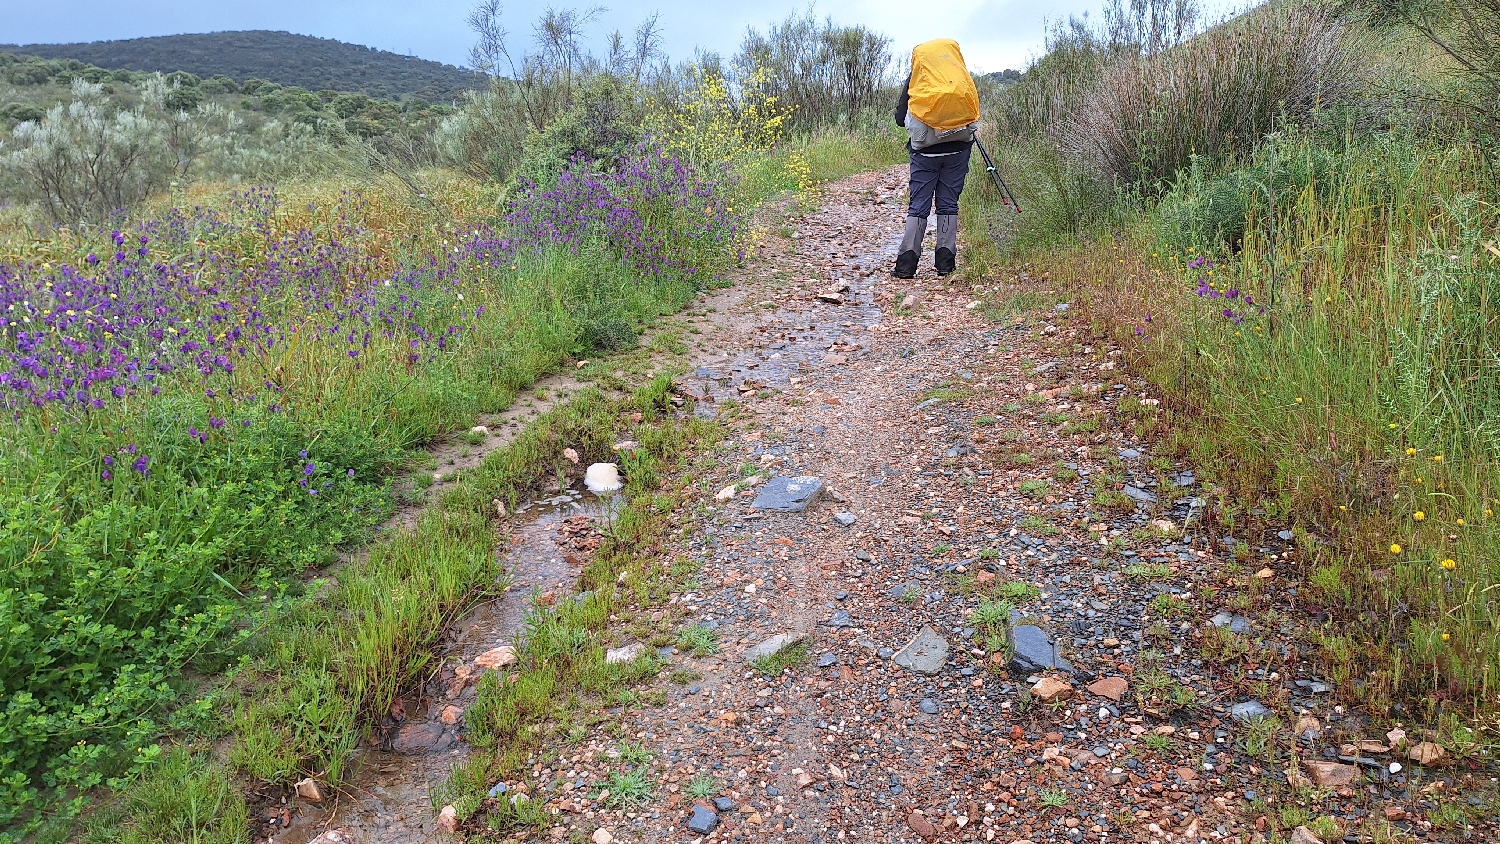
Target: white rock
[(725, 494), (308, 789), (618, 655), (480, 429), (602, 477), (447, 819), (602, 836)]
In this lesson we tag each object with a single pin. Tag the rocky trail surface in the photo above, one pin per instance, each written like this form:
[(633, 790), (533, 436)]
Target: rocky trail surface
[(947, 592)]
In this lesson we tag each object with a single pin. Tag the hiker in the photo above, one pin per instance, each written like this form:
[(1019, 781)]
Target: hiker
[(939, 109)]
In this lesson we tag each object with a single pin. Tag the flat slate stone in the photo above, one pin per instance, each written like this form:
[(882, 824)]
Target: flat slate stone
[(840, 619), (771, 646), (1034, 652), (788, 495), (926, 653), (703, 821), (1248, 710), (845, 518), (827, 659), (1139, 494), (1235, 623)]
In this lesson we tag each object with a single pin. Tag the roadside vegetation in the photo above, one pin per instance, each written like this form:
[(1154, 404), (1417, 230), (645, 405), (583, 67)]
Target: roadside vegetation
[(1289, 222), (217, 374)]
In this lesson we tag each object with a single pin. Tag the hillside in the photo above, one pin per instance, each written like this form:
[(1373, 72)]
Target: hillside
[(282, 57)]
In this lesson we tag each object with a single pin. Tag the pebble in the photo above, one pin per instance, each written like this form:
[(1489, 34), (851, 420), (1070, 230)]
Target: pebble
[(928, 706)]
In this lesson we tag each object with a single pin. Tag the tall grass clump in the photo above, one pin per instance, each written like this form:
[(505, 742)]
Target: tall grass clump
[(1145, 118)]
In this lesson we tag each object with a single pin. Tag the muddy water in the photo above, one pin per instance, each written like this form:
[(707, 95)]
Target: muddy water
[(387, 795)]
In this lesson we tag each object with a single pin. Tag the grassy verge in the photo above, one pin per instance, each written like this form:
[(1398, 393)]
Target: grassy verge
[(562, 684), (1316, 321)]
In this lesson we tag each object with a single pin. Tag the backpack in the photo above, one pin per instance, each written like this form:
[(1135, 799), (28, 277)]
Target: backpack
[(942, 102)]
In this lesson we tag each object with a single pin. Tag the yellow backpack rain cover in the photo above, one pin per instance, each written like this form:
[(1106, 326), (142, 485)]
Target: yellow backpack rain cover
[(942, 93)]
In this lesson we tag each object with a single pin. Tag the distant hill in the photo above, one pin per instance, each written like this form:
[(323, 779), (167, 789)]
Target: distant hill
[(301, 60)]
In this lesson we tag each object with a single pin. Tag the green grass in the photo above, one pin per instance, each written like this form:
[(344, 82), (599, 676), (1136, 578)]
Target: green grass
[(790, 656), (1035, 488), (1037, 526), (700, 787), (1148, 571), (628, 789), (698, 640)]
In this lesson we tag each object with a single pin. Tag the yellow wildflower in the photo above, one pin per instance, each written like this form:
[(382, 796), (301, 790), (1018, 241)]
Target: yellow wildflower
[(1395, 549)]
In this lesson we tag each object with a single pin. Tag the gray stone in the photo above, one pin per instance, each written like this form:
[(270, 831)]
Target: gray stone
[(1285, 535), (1248, 710), (771, 646), (1139, 494), (885, 653), (498, 789), (1235, 623), (420, 737), (926, 653), (900, 590), (1034, 652), (1045, 368), (828, 659), (723, 804), (926, 404), (840, 595), (703, 820), (840, 619), (1101, 751), (845, 518), (788, 495), (1129, 454), (928, 706)]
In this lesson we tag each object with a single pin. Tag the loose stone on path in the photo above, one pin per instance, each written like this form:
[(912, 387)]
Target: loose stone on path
[(926, 653), (788, 495)]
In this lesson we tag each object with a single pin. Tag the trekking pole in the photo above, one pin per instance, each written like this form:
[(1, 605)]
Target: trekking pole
[(1006, 197)]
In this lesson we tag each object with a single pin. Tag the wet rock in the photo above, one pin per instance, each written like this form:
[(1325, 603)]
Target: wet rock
[(703, 821), (1049, 689), (615, 656), (1109, 687), (921, 825), (788, 495), (928, 706), (451, 715), (1427, 753), (1330, 774), (1248, 710), (840, 618), (1034, 652), (496, 657), (308, 789), (831, 298), (845, 518), (771, 646), (926, 653), (1235, 623), (422, 737)]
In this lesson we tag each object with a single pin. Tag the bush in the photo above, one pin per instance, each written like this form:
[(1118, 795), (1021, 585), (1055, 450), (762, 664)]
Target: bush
[(1214, 96)]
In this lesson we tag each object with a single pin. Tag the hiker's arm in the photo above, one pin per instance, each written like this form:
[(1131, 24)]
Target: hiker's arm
[(901, 103)]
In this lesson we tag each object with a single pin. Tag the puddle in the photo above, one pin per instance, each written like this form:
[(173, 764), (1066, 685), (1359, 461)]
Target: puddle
[(386, 796)]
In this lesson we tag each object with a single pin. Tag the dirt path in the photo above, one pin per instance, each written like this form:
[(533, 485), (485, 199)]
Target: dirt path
[(985, 490)]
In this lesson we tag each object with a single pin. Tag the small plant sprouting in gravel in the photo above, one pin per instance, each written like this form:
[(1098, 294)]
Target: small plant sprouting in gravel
[(788, 657), (1113, 499), (473, 437), (1054, 798), (984, 421), (632, 788), (989, 554), (1152, 741), (1148, 571), (1259, 738), (991, 614), (698, 640), (683, 676), (1035, 488), (1018, 592), (701, 786), (634, 754), (910, 594), (1037, 526), (1062, 473), (1167, 606), (941, 548)]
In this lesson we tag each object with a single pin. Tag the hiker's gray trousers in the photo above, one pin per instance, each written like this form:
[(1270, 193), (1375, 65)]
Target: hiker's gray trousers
[(937, 175)]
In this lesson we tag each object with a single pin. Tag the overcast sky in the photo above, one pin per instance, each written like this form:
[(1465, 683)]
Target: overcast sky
[(994, 34)]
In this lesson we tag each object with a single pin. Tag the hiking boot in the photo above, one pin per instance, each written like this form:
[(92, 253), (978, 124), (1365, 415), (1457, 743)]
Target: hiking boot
[(906, 265), (943, 261), (944, 258), (911, 248)]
